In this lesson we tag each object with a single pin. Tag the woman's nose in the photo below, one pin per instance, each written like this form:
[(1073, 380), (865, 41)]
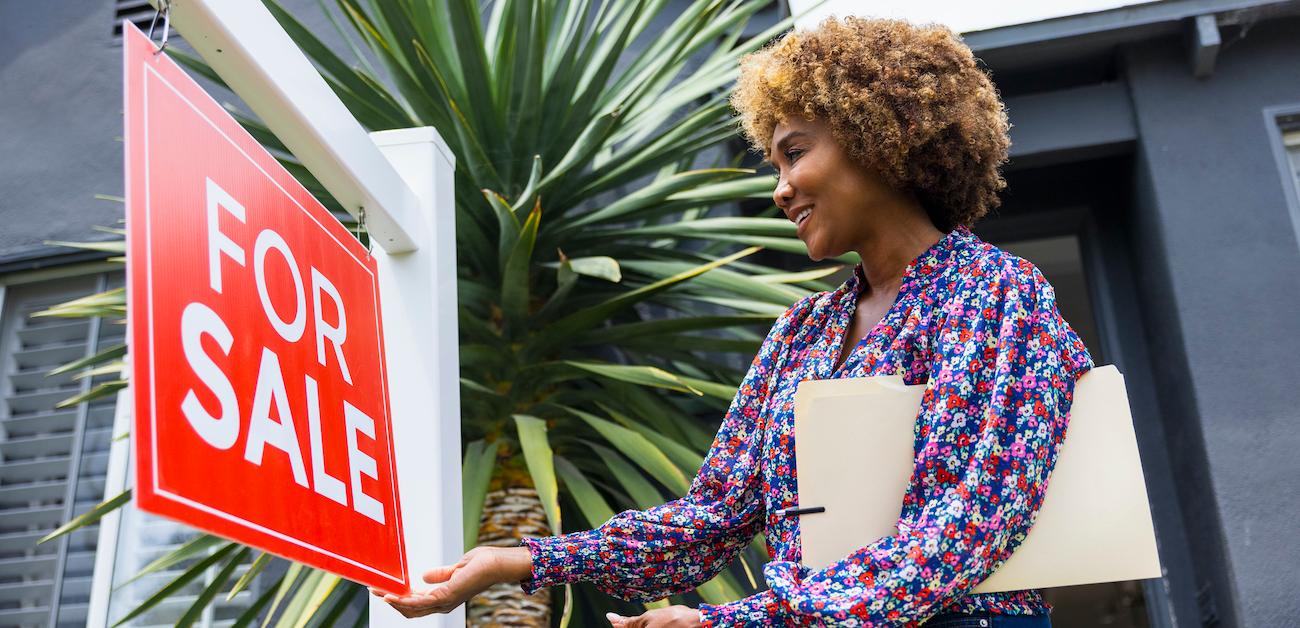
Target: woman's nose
[(783, 193)]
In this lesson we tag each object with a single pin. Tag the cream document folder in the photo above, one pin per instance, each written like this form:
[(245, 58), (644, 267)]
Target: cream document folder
[(854, 454)]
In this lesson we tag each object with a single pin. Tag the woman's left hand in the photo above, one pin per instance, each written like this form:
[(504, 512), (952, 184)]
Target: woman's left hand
[(671, 617)]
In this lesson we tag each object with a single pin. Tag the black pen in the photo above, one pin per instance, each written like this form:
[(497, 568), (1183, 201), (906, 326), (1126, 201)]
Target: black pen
[(799, 511)]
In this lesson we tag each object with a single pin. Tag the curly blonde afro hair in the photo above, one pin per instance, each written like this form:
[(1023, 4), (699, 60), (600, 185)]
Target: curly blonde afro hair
[(905, 100)]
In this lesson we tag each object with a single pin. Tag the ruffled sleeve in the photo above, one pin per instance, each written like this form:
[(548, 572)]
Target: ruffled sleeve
[(650, 554), (992, 419)]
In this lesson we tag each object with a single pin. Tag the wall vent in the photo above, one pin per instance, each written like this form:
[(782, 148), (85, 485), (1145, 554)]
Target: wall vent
[(139, 12)]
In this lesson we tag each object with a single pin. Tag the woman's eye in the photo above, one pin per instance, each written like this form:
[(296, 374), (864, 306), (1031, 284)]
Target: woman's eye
[(793, 154)]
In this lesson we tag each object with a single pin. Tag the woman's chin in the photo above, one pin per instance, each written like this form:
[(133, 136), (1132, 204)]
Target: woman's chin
[(820, 248), (811, 249), (816, 253)]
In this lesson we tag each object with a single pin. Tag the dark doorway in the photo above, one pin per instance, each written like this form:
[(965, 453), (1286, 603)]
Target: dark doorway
[(1114, 604), (1072, 220)]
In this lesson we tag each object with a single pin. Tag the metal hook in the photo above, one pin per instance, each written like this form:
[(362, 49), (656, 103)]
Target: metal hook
[(361, 228), (164, 7)]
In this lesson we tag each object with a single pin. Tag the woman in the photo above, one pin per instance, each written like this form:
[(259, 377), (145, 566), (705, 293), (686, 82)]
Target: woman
[(887, 141)]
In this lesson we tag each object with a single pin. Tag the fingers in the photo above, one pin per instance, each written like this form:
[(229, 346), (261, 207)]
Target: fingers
[(440, 599), (407, 609), (433, 597), (440, 574), (417, 610), (412, 611), (436, 600), (406, 599), (618, 621)]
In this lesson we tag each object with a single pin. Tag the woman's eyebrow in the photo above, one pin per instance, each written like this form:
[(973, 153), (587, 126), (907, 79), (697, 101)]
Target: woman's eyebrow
[(789, 137)]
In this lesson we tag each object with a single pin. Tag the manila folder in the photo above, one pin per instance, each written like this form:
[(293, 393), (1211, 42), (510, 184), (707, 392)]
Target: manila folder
[(854, 454)]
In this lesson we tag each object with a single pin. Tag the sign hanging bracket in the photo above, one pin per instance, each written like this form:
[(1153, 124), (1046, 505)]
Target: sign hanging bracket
[(361, 229), (164, 11)]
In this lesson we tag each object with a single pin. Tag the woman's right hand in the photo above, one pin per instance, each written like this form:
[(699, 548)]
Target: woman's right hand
[(477, 570)]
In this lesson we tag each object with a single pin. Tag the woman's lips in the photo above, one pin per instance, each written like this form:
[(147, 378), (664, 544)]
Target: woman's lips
[(804, 225)]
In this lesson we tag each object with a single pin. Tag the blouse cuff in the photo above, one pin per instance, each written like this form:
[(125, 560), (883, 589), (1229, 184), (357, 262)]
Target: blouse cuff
[(760, 609), (561, 559)]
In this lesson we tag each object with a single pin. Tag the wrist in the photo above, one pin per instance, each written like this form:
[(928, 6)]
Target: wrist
[(517, 563)]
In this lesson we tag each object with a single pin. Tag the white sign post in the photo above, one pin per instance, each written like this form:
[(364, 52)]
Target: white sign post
[(418, 294), (404, 180)]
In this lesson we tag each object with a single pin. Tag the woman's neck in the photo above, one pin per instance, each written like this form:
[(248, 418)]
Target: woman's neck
[(890, 248)]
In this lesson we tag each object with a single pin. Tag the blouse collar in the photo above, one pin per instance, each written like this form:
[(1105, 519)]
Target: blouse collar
[(952, 250)]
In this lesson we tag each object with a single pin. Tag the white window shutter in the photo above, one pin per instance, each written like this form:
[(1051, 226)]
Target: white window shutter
[(52, 461)]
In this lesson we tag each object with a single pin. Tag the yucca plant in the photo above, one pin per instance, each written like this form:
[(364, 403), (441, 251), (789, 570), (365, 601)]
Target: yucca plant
[(608, 303)]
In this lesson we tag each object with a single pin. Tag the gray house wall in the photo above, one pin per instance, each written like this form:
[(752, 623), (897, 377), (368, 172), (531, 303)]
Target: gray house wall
[(60, 115), (1218, 267)]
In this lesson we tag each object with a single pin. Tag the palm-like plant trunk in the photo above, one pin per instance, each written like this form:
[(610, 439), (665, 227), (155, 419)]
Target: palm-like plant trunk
[(510, 514)]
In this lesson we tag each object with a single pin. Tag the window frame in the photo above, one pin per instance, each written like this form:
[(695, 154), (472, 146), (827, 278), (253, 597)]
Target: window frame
[(1278, 121)]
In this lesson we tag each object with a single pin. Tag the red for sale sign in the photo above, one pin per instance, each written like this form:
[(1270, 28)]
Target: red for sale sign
[(257, 356)]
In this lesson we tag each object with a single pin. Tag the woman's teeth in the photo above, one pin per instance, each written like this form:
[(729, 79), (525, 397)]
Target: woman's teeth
[(802, 216)]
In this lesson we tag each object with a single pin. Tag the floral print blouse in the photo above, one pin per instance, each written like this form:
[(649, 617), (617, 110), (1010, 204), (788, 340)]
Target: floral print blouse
[(980, 328)]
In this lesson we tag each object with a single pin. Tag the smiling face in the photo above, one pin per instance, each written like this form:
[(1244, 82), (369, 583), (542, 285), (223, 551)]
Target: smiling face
[(843, 201)]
